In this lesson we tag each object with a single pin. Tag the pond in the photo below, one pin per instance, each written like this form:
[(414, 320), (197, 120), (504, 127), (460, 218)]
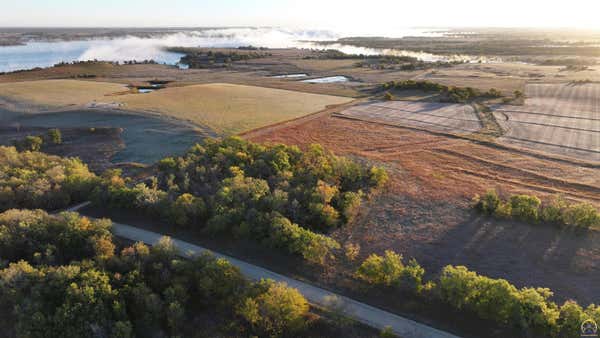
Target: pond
[(147, 139), (329, 79)]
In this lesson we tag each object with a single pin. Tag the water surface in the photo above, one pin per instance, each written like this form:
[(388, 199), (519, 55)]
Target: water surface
[(329, 79)]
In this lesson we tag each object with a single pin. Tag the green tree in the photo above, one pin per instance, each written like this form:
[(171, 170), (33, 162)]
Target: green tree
[(55, 136), (277, 311), (525, 207)]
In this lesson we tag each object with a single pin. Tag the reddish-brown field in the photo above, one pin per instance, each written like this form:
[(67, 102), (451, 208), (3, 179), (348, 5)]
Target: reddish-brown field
[(425, 212)]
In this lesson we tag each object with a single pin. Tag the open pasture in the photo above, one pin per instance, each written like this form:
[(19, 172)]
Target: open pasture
[(444, 117), (59, 93), (558, 118), (229, 108)]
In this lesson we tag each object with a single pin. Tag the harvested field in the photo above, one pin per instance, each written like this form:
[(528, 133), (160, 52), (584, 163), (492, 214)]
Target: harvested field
[(228, 108), (558, 118), (59, 93), (426, 211), (444, 117)]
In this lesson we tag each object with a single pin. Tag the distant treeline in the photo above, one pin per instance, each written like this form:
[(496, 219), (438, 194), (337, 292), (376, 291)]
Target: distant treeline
[(449, 93), (201, 58)]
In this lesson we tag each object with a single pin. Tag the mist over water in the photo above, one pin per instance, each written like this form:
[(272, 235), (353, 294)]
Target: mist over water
[(46, 54)]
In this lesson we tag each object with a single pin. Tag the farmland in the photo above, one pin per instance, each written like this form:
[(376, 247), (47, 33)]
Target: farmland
[(438, 157), (228, 108), (456, 118), (559, 118), (425, 214), (53, 94), (224, 108)]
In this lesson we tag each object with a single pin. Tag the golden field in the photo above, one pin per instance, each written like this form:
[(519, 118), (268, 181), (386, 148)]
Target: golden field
[(59, 93), (229, 108), (225, 108)]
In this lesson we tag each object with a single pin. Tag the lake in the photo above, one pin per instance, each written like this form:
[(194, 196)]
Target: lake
[(46, 54)]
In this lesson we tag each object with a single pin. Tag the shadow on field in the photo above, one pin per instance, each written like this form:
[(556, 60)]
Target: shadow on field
[(540, 255)]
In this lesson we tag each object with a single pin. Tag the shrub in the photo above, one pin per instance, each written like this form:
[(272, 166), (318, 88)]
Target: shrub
[(388, 96), (525, 207), (351, 251), (553, 212), (503, 210), (350, 205), (55, 136), (389, 270), (582, 215), (277, 310), (488, 203), (30, 143), (378, 176)]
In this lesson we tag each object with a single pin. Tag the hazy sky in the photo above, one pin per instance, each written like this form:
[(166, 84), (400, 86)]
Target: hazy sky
[(343, 16)]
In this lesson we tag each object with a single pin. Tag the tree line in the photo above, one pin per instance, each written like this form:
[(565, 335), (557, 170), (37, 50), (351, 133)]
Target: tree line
[(528, 311), (449, 93), (65, 276), (529, 208)]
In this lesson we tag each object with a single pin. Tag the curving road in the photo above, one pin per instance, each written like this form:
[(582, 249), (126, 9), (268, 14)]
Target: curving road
[(361, 312)]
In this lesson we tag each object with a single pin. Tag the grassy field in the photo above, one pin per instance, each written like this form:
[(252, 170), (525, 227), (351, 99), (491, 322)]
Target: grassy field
[(224, 108), (59, 93), (228, 108)]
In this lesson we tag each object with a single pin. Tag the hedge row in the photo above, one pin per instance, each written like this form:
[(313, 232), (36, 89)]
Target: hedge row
[(528, 310), (531, 209)]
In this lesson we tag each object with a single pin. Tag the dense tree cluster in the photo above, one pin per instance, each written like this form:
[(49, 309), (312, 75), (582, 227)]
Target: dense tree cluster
[(531, 209), (35, 236), (448, 93), (36, 180), (527, 310), (279, 195), (61, 277)]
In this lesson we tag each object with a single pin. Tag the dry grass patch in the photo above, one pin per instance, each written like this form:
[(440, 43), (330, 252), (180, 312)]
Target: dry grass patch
[(59, 93), (228, 108)]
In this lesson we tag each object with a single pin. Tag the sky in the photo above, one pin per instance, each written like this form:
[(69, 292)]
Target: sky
[(348, 16)]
